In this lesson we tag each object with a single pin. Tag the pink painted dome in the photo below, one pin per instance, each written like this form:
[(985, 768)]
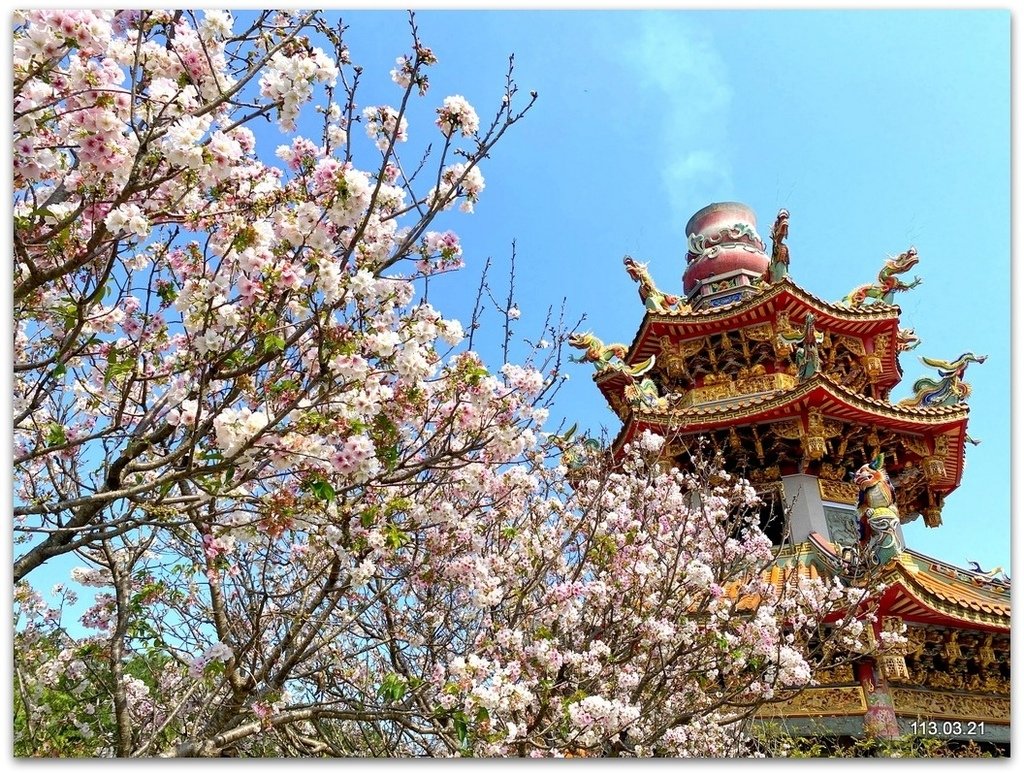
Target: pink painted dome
[(721, 238)]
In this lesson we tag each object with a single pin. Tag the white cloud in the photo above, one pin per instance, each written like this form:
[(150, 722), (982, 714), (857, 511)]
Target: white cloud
[(677, 67)]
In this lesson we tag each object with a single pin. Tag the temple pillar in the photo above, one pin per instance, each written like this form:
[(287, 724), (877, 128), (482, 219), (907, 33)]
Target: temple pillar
[(880, 717)]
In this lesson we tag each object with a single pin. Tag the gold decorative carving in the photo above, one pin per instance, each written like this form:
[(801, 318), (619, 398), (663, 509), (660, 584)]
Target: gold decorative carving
[(986, 655), (916, 641), (853, 344), (882, 343), (762, 332), (718, 386), (814, 446), (815, 422), (895, 667), (692, 347), (837, 492), (764, 383), (932, 516), (948, 705), (952, 648), (671, 357), (831, 701), (941, 445), (934, 468), (914, 444), (840, 674), (873, 367), (788, 429), (769, 474), (832, 473)]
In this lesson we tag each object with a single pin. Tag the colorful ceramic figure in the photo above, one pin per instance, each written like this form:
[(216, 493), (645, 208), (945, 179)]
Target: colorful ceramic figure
[(879, 517), (577, 453), (950, 388), (597, 352), (885, 289), (607, 357), (653, 299), (807, 361), (644, 393), (779, 266), (906, 340)]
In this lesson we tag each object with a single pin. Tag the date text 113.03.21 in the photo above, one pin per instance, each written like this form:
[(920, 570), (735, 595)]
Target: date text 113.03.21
[(928, 727)]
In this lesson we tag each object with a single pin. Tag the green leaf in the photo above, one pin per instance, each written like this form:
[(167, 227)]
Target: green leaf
[(56, 435), (392, 687), (368, 517), (117, 367), (394, 537), (321, 489), (461, 728), (273, 343)]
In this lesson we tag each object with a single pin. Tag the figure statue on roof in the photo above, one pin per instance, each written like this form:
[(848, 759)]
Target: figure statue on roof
[(949, 389), (808, 363), (779, 265), (653, 299), (888, 283), (906, 340), (577, 453), (805, 341), (996, 574), (606, 357), (879, 517), (644, 394)]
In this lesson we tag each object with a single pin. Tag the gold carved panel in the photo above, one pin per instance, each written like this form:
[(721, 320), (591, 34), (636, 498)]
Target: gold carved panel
[(762, 332), (838, 492), (718, 387), (840, 674), (949, 705), (831, 701), (788, 429), (854, 345)]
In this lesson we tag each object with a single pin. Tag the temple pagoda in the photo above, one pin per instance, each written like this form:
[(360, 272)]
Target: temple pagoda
[(792, 393)]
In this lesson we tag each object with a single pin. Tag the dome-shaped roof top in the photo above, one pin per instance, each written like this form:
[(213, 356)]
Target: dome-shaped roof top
[(721, 238)]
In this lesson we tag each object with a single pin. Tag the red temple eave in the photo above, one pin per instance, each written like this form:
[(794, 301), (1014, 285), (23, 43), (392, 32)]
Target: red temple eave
[(785, 296), (919, 589), (911, 604), (822, 393)]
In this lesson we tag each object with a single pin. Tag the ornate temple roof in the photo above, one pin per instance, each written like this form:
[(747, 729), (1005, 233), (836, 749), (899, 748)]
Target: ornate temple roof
[(731, 310), (919, 589), (819, 392), (763, 306), (924, 590)]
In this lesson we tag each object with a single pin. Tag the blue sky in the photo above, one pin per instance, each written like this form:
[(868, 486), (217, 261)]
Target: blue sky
[(876, 129)]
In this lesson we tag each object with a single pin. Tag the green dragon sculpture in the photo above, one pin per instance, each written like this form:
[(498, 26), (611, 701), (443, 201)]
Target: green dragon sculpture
[(577, 453), (804, 345), (606, 357), (643, 394), (778, 267), (885, 289), (653, 299)]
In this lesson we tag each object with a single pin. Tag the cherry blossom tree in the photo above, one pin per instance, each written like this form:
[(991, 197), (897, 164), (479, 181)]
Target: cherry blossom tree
[(309, 519)]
